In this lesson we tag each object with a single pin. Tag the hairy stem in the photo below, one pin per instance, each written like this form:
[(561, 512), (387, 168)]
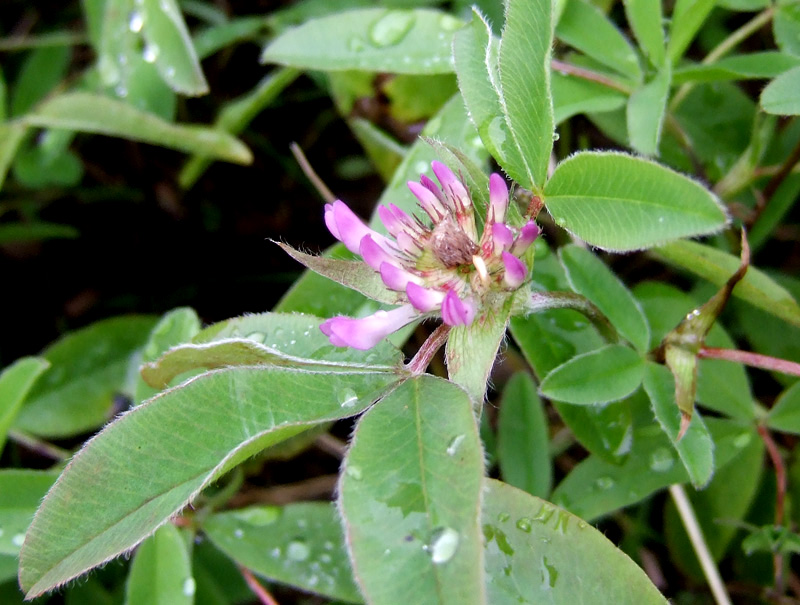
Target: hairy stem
[(544, 301), (588, 74), (428, 349), (699, 544), (261, 593)]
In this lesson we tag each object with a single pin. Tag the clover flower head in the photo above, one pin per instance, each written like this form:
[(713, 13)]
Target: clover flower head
[(438, 267)]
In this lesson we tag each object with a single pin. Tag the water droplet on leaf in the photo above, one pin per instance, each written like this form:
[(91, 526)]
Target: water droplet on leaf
[(661, 460), (150, 53), (604, 483), (135, 22), (356, 44), (347, 398), (449, 23), (391, 28), (444, 544), (189, 587), (524, 524), (354, 472), (455, 443), (297, 550), (18, 540), (503, 517)]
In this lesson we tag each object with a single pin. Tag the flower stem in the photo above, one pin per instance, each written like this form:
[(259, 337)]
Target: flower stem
[(588, 74), (699, 544), (428, 349), (544, 301), (261, 593), (765, 362), (780, 495), (311, 175)]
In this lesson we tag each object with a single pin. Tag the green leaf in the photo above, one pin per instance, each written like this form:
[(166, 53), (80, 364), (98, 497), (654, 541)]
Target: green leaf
[(522, 438), (161, 571), (538, 553), (646, 18), (475, 53), (236, 115), (21, 492), (144, 467), (785, 414), (604, 430), (98, 114), (406, 102), (471, 353), (175, 327), (42, 70), (758, 65), (88, 368), (786, 27), (410, 496), (688, 17), (15, 382), (414, 41), (572, 96), (524, 69), (35, 168), (716, 266), (219, 580), (585, 27), (695, 448), (220, 36), (721, 386), (595, 487), (11, 136), (590, 276), (300, 545), (607, 374), (620, 202), (646, 110), (780, 95), (175, 57), (383, 151)]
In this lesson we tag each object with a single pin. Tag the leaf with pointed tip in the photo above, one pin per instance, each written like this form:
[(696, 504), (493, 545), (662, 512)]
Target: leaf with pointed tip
[(647, 107), (356, 275), (300, 544), (780, 95), (646, 20), (539, 553), (620, 202), (145, 466), (410, 496), (176, 59), (785, 414)]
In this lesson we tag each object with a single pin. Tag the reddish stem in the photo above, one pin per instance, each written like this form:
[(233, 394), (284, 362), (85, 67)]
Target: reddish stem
[(260, 592), (428, 349), (780, 495), (765, 362)]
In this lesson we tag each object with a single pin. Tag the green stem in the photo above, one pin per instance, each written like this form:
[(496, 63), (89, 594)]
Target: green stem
[(17, 43), (723, 48), (588, 74), (699, 544), (544, 301)]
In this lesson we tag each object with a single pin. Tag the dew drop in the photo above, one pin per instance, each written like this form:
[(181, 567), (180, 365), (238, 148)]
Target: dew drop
[(313, 581), (238, 533), (121, 91), (444, 544), (391, 28), (356, 44), (18, 539), (661, 460), (328, 545), (503, 517), (449, 23), (549, 574), (455, 443), (292, 342), (347, 398), (170, 73), (325, 558), (260, 516), (387, 552), (275, 553), (150, 53), (122, 59), (556, 136), (604, 483), (257, 336), (421, 166), (298, 550), (561, 221), (189, 587), (496, 133), (354, 472), (742, 440), (135, 22), (524, 524)]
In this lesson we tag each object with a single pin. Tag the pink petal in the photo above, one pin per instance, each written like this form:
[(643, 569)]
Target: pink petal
[(396, 278), (503, 236), (373, 254), (450, 183), (348, 228), (429, 202), (366, 332), (457, 312), (423, 299), (430, 185), (516, 271), (526, 237), (498, 197)]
